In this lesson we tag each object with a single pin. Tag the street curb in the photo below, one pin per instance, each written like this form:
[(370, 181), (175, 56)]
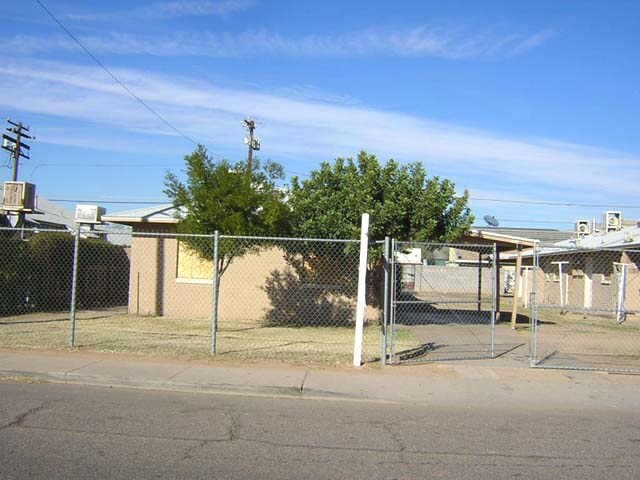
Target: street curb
[(222, 388)]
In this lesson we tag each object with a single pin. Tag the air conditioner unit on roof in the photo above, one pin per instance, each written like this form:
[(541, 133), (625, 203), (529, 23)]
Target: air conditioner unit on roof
[(19, 197), (612, 221), (583, 227), (89, 213)]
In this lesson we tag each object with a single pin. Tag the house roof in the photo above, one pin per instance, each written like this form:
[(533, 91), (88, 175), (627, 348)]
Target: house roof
[(625, 238), (51, 214), (544, 235), (166, 214), (504, 241)]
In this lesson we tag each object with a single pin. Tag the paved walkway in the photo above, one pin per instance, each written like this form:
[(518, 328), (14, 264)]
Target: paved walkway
[(472, 384)]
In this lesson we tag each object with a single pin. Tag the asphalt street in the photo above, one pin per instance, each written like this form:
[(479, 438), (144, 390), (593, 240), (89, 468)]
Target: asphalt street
[(73, 431)]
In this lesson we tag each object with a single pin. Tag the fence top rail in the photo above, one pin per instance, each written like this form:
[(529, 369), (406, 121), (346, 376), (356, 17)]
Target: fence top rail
[(290, 239), (61, 230), (241, 237), (549, 250), (171, 235), (443, 244), (36, 230)]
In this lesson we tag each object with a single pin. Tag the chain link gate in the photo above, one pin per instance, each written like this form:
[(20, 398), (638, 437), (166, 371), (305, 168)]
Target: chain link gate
[(441, 301), (586, 309)]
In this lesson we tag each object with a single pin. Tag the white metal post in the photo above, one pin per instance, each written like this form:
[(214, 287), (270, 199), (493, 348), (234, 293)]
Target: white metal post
[(74, 286), (563, 300), (533, 345), (621, 311), (495, 275), (526, 287), (361, 304)]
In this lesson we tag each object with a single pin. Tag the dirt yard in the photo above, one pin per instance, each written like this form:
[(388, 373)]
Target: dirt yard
[(115, 331), (567, 340)]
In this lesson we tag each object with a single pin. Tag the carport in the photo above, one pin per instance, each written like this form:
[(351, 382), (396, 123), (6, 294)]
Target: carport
[(504, 243)]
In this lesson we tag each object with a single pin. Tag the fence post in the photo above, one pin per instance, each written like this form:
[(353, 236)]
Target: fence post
[(495, 301), (385, 301), (216, 289), (393, 306), (621, 285), (479, 306), (74, 285), (533, 342), (361, 303)]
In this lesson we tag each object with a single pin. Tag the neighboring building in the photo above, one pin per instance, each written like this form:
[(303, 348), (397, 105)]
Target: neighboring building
[(595, 273), (51, 216)]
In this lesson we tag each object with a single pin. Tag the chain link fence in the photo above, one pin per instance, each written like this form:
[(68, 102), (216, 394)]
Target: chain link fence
[(291, 299), (184, 295), (294, 299), (442, 302), (48, 276), (586, 309)]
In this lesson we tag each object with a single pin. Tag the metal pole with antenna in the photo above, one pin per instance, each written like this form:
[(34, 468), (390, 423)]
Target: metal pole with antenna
[(253, 143)]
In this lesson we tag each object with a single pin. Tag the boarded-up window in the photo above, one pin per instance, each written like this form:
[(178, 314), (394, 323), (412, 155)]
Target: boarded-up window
[(191, 265)]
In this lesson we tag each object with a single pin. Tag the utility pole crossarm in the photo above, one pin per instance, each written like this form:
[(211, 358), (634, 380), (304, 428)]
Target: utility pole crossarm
[(16, 144), (251, 141)]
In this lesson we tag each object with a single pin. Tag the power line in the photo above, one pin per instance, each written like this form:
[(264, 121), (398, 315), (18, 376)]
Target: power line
[(113, 76), (549, 222), (132, 202), (124, 165), (105, 165), (552, 204)]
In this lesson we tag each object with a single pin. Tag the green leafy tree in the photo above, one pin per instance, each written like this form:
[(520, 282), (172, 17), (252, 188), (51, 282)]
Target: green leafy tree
[(403, 203), (218, 195), (402, 200)]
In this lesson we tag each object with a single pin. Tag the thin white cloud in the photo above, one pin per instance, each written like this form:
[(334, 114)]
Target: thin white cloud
[(310, 131), (166, 10), (417, 42)]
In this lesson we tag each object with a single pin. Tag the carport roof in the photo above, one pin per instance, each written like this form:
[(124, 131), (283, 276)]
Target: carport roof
[(512, 238), (502, 240)]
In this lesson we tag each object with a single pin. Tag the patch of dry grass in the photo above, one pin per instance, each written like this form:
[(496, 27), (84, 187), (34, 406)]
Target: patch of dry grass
[(576, 339), (191, 339)]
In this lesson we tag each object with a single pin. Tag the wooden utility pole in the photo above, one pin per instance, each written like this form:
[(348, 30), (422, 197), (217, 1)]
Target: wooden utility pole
[(253, 143), (16, 144)]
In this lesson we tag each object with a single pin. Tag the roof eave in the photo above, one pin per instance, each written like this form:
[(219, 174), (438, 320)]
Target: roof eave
[(501, 238), (137, 220)]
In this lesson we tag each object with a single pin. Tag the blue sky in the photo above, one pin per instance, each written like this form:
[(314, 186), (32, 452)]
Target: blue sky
[(521, 102)]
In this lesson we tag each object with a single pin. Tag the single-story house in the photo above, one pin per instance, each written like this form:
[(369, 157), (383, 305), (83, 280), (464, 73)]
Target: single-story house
[(169, 278), (597, 272)]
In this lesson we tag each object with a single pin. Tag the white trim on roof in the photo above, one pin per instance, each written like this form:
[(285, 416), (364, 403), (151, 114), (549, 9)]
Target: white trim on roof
[(158, 214), (527, 242)]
